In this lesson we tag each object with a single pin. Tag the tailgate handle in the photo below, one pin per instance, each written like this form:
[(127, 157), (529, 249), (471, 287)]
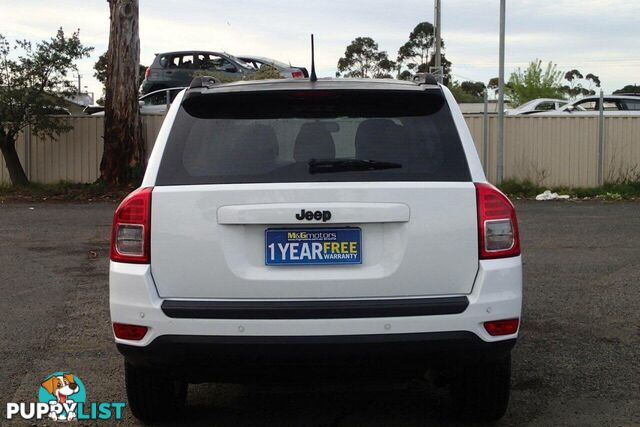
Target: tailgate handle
[(313, 213)]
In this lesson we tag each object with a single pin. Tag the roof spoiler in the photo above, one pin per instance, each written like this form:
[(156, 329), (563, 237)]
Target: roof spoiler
[(425, 79), (204, 82)]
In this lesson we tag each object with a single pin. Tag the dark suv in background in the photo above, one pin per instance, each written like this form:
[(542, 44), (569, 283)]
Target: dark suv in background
[(173, 69)]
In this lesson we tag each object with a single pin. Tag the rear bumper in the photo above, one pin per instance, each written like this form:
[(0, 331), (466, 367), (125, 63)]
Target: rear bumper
[(255, 358), (344, 309), (194, 342)]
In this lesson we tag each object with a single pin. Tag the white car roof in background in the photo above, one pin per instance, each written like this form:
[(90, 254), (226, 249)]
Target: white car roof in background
[(162, 90), (594, 97), (539, 100), (267, 60)]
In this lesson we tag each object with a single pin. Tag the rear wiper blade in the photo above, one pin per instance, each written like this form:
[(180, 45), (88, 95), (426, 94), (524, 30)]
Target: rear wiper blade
[(346, 165)]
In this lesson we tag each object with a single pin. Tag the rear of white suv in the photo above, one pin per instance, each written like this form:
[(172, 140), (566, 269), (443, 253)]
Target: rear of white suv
[(336, 227)]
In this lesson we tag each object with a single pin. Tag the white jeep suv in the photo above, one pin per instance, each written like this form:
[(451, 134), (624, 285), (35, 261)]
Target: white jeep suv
[(329, 228)]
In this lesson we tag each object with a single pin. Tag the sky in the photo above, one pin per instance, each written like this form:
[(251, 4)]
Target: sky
[(595, 36)]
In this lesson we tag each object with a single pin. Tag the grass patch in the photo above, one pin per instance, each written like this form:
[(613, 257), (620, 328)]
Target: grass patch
[(62, 192), (611, 191)]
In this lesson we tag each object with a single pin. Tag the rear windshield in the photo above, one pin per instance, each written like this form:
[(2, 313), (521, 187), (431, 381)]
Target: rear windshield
[(313, 136)]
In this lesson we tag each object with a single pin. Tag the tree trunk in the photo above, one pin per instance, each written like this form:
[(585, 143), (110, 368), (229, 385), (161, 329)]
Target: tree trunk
[(123, 160), (11, 159)]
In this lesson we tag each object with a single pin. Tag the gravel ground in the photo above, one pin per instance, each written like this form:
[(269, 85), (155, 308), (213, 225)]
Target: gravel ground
[(576, 362)]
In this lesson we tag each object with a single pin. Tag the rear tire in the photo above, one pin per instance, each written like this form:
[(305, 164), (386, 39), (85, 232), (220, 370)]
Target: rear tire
[(151, 396), (481, 392)]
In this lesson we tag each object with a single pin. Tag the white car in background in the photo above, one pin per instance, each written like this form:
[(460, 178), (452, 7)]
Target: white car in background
[(614, 105), (157, 102), (286, 70), (537, 106)]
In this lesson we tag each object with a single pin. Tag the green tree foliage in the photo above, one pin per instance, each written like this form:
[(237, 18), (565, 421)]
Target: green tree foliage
[(416, 51), (493, 84), (100, 73), (363, 59), (467, 91), (33, 84), (417, 54), (446, 68), (265, 72), (474, 88), (579, 84), (405, 75), (100, 70), (628, 89), (534, 82)]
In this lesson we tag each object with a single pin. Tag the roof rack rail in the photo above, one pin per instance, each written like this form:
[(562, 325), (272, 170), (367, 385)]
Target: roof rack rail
[(425, 79), (204, 81)]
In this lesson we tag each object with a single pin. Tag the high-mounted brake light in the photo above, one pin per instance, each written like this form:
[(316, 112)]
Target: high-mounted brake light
[(312, 94), (131, 231), (498, 235), (297, 74)]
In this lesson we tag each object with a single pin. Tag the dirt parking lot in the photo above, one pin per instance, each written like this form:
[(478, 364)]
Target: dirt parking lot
[(577, 362)]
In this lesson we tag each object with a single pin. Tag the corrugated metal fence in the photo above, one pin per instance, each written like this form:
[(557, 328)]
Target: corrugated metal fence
[(74, 156), (548, 150), (561, 151)]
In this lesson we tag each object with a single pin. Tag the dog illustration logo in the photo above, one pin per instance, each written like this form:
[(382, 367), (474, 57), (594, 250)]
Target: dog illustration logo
[(62, 397), (63, 391)]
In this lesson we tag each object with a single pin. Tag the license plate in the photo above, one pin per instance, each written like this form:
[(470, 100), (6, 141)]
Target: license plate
[(313, 246)]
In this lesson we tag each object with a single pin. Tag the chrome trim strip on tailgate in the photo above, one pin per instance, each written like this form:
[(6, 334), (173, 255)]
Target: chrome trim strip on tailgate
[(341, 213)]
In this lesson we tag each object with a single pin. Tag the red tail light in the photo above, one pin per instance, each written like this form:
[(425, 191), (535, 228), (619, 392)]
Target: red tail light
[(129, 332), (131, 231), (497, 224), (502, 327), (147, 72), (297, 74)]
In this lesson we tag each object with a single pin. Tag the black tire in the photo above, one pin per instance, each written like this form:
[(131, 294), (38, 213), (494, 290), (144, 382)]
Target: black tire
[(481, 392), (151, 396)]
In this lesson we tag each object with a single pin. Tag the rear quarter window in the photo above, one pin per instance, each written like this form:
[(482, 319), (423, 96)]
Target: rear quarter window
[(633, 105), (277, 137)]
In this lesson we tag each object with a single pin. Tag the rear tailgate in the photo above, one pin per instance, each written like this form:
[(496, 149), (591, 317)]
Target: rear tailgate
[(418, 239), (387, 165)]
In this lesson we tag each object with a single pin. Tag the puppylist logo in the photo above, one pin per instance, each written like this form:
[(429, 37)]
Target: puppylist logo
[(62, 397)]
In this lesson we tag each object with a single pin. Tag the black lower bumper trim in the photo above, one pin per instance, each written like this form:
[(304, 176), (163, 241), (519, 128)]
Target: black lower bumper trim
[(341, 309), (254, 358)]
